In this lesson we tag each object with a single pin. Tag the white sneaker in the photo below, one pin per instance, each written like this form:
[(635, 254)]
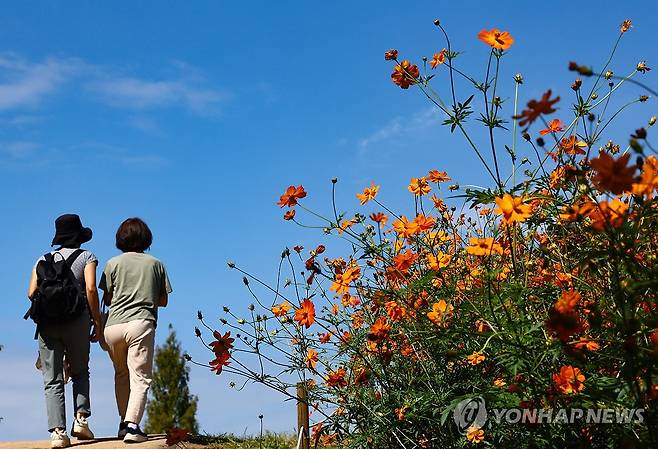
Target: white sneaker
[(134, 435), (81, 429), (59, 438)]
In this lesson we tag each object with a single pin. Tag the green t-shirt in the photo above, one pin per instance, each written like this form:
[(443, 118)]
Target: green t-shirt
[(136, 281)]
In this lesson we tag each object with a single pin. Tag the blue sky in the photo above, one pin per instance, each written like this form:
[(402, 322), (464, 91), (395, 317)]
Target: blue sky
[(197, 117)]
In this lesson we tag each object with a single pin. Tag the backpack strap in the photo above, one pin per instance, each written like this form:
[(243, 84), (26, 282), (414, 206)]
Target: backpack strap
[(74, 256)]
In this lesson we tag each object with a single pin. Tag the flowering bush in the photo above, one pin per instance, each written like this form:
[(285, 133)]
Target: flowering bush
[(540, 292)]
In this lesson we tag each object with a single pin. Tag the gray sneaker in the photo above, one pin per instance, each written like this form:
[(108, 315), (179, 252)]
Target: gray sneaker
[(81, 429), (59, 438)]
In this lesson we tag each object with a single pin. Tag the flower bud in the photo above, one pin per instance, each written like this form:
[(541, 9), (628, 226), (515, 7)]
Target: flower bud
[(576, 84), (197, 331), (199, 315), (608, 74), (437, 22), (652, 121), (642, 67), (518, 78)]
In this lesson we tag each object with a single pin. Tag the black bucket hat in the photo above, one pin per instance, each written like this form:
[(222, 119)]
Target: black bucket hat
[(69, 231)]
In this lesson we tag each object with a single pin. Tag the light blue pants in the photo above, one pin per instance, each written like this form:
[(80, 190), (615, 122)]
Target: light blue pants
[(71, 339)]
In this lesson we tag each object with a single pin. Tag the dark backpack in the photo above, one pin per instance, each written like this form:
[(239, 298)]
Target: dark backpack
[(58, 298)]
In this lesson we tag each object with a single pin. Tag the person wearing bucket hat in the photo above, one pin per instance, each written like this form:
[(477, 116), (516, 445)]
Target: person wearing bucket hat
[(70, 232), (68, 340)]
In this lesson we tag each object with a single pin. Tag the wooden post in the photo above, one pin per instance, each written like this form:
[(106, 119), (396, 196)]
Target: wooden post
[(302, 416)]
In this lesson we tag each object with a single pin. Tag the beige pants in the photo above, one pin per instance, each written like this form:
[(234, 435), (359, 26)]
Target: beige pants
[(131, 349)]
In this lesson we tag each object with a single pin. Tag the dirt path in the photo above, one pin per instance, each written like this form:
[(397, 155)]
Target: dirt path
[(156, 442)]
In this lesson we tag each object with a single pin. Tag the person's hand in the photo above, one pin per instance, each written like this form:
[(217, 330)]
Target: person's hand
[(96, 333)]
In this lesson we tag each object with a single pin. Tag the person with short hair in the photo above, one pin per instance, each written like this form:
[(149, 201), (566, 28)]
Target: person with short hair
[(70, 338), (135, 284)]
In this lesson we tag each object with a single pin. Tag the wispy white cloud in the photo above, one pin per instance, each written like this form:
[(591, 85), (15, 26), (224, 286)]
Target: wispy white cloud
[(146, 124), (18, 149), (145, 94), (399, 127), (26, 84)]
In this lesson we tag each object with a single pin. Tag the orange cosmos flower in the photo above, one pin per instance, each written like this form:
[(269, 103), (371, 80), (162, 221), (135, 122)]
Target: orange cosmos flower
[(368, 194), (554, 126), (576, 211), (305, 315), (404, 228), (587, 344), (175, 436), (499, 382), (648, 181), (291, 195), (424, 223), (608, 213), (324, 338), (337, 378), (475, 435), (512, 209), (379, 330), (439, 204), (536, 108), (312, 358), (567, 302), (441, 311), (569, 380), (482, 326), (439, 261), (379, 218), (438, 176), (476, 358), (222, 346), (613, 175), (438, 58), (501, 40), (346, 224), (572, 146), (335, 309), (341, 284), (401, 412), (404, 261), (419, 186), (483, 246), (405, 74), (289, 215), (394, 311), (218, 364), (391, 54), (281, 309)]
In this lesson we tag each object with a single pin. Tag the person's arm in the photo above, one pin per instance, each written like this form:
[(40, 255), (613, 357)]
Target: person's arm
[(107, 298), (92, 299), (32, 288)]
